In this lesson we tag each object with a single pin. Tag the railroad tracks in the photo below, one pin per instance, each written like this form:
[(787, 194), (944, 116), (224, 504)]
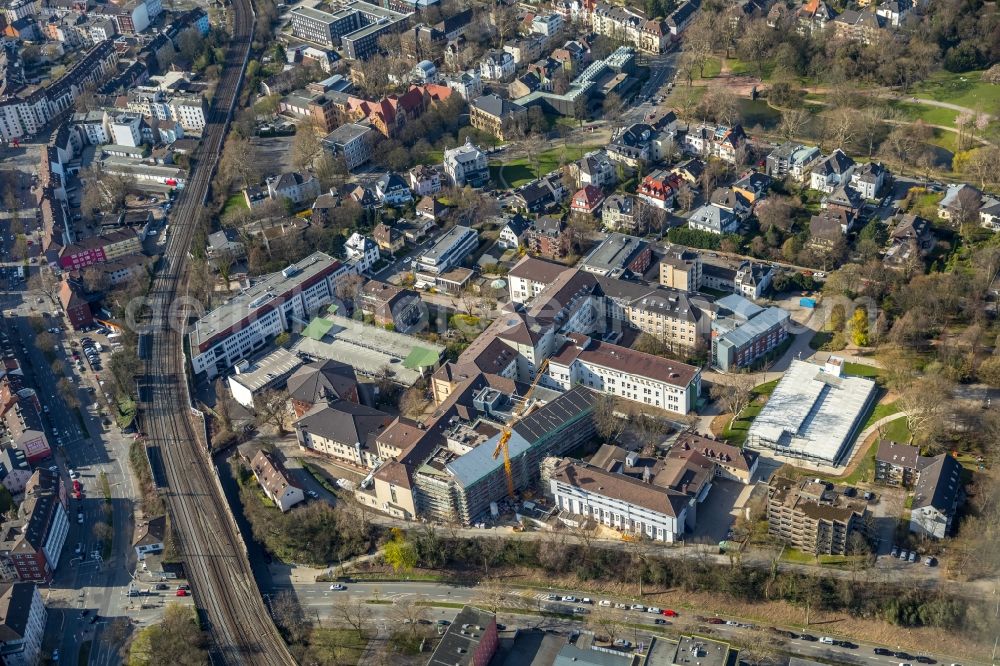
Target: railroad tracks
[(225, 592)]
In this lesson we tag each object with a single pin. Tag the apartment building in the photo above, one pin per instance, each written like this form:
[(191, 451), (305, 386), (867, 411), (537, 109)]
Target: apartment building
[(622, 24), (296, 187), (549, 237), (343, 430), (353, 142), (936, 497), (449, 251), (22, 624), (743, 332), (253, 318), (619, 256), (361, 252), (391, 306), (497, 116), (321, 382), (732, 463), (356, 26), (32, 542), (275, 481), (831, 172), (814, 517), (98, 249), (530, 276), (625, 373), (681, 269)]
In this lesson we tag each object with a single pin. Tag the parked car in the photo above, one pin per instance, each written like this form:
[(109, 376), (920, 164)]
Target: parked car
[(653, 609), (809, 638), (826, 640), (883, 652), (921, 659), (638, 607), (605, 603), (913, 556), (182, 593), (895, 551), (930, 561), (659, 620), (670, 613), (622, 643)]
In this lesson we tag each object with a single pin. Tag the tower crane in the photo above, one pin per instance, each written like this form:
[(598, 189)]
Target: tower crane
[(502, 445)]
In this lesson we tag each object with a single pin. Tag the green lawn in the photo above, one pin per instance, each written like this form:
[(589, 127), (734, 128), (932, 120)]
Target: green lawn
[(713, 67), (736, 433), (945, 139), (799, 557), (741, 68), (926, 205), (765, 389), (235, 201), (897, 430), (881, 411), (965, 89), (861, 370), (932, 115), (519, 171)]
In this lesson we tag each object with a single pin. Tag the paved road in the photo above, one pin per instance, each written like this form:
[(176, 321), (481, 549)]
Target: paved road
[(319, 600)]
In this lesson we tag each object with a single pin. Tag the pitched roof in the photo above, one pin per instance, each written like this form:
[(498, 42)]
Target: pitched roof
[(271, 474), (345, 422), (537, 270), (939, 484), (322, 381)]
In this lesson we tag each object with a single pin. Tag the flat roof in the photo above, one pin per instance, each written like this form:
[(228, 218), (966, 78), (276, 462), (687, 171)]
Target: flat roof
[(267, 369), (811, 413), (443, 244), (317, 328), (698, 651), (259, 295)]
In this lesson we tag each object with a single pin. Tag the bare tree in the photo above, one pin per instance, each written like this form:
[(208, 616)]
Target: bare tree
[(409, 612), (793, 122), (355, 613), (685, 197), (271, 408), (494, 594), (290, 617), (609, 426), (758, 647), (926, 403), (607, 623), (735, 394)]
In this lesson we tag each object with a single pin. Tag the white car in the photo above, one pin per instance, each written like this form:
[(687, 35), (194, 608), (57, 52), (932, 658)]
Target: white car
[(653, 609), (622, 643), (621, 606), (338, 587), (312, 493), (569, 599), (638, 607), (586, 600), (826, 640), (605, 603)]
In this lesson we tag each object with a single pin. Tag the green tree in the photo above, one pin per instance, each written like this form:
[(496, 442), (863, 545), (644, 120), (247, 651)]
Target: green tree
[(399, 553)]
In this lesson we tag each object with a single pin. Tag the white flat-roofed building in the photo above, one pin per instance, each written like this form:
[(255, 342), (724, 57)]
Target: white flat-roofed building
[(626, 373), (22, 624), (449, 251), (250, 320), (254, 377), (813, 413)]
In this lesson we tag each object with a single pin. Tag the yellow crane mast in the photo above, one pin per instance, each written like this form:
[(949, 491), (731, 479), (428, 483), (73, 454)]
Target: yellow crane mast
[(502, 445)]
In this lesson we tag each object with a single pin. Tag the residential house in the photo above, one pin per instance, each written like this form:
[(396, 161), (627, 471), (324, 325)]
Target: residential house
[(869, 180), (813, 517), (549, 237), (726, 143), (894, 11), (392, 307), (659, 189), (714, 220), (681, 17), (587, 201), (75, 306), (989, 214), (497, 66), (753, 186), (150, 535), (733, 201), (525, 49), (467, 165), (844, 198), (936, 497), (594, 168), (541, 194), (323, 208), (431, 210), (497, 116), (364, 197), (619, 213), (831, 171), (293, 186), (961, 202), (753, 279), (690, 171), (513, 232), (343, 430), (649, 36), (388, 237), (224, 245), (827, 228), (468, 84), (392, 190), (425, 180), (33, 540), (792, 159), (276, 482), (813, 16), (361, 252), (547, 25), (911, 240), (15, 470)]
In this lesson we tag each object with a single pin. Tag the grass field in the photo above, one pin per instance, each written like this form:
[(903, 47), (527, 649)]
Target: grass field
[(519, 171), (713, 67), (965, 89), (736, 432), (235, 201), (799, 557), (861, 370), (926, 205), (880, 412), (932, 115)]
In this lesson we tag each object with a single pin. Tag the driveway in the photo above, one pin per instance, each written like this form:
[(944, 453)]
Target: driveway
[(715, 514)]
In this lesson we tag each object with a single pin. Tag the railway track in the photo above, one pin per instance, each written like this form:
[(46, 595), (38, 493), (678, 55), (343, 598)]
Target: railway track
[(215, 557)]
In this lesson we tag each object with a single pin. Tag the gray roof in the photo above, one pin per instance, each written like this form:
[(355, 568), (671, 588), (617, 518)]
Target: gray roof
[(745, 333), (322, 380), (613, 254), (571, 655), (460, 642), (345, 422), (739, 305), (712, 217), (837, 162), (939, 485), (346, 133), (268, 370), (496, 106), (15, 609)]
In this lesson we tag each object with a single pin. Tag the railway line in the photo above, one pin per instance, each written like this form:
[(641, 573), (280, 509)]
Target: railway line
[(206, 535)]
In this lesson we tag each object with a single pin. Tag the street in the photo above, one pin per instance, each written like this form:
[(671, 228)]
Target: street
[(318, 600), (83, 581)]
